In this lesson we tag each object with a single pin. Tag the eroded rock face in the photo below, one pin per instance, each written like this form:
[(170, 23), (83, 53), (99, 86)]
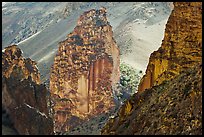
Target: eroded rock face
[(85, 71), (12, 58), (172, 101), (23, 97), (181, 47)]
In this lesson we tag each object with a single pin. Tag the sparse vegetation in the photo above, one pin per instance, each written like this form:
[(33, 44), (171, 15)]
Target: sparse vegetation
[(129, 80)]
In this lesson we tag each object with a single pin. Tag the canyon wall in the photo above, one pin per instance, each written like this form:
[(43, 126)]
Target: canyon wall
[(170, 97), (181, 47), (85, 71), (23, 97)]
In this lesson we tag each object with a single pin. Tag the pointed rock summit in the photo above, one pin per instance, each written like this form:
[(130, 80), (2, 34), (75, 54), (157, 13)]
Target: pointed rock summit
[(23, 97), (85, 71)]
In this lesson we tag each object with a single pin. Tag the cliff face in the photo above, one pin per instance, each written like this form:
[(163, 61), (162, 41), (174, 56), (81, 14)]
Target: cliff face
[(172, 101), (181, 47), (85, 70), (23, 97)]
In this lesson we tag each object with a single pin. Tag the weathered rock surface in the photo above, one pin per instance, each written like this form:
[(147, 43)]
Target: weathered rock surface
[(171, 108), (171, 97), (7, 125), (85, 71), (181, 47), (23, 97)]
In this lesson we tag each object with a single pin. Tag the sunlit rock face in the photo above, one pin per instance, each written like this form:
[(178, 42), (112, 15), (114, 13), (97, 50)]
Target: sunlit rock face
[(12, 58), (85, 71), (23, 97), (181, 47), (170, 97)]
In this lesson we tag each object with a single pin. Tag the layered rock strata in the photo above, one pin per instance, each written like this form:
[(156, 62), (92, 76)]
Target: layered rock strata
[(181, 47), (23, 97), (85, 71)]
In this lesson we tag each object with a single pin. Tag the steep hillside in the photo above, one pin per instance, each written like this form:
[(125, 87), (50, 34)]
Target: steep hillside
[(171, 108), (141, 31), (131, 22), (23, 19), (91, 127)]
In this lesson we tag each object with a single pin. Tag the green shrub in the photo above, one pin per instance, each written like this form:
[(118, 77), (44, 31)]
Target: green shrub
[(129, 77), (129, 80)]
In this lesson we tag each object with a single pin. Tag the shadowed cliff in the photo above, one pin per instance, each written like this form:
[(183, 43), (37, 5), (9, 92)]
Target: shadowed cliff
[(24, 99)]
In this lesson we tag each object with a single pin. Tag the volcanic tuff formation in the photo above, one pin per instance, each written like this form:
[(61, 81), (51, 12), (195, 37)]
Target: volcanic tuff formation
[(85, 71), (181, 47), (172, 106), (23, 97)]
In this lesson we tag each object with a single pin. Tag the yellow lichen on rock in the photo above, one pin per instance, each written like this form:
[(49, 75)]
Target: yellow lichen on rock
[(128, 108)]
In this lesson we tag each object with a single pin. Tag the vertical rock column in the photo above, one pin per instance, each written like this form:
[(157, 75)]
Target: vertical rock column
[(85, 71)]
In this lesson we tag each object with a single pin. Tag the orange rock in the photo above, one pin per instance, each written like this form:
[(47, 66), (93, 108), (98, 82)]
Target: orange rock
[(92, 59), (181, 47), (23, 97)]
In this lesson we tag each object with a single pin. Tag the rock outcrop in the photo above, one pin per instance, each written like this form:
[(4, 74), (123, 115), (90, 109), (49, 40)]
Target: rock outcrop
[(23, 97), (181, 47), (85, 71), (170, 97), (171, 108)]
